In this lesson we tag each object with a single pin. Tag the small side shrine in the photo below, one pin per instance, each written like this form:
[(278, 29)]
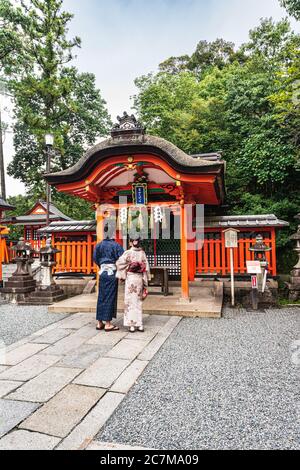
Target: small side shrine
[(4, 207), (35, 219)]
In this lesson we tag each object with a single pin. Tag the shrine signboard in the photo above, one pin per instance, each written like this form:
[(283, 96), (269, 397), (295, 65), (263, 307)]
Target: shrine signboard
[(139, 195), (231, 238)]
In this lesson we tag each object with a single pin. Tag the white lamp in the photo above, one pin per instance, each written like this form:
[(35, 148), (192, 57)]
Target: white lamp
[(49, 140)]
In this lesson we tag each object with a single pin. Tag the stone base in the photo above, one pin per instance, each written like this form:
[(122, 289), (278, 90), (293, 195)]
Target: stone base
[(18, 288), (47, 296), (243, 291), (294, 292)]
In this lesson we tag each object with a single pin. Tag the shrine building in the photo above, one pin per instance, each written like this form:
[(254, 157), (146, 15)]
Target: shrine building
[(153, 174)]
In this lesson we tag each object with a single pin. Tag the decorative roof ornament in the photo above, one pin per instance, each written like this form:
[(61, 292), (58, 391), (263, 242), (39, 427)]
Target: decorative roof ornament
[(128, 127)]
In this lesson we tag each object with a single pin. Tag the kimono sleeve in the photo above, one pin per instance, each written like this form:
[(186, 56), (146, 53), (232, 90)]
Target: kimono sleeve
[(146, 275), (122, 266)]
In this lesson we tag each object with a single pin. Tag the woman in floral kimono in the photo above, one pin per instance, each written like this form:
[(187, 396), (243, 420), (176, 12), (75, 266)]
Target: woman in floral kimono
[(133, 268)]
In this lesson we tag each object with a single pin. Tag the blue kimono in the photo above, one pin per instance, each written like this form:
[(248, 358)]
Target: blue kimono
[(105, 256)]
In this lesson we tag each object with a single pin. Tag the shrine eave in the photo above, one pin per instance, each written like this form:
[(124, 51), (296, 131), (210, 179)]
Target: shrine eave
[(147, 144)]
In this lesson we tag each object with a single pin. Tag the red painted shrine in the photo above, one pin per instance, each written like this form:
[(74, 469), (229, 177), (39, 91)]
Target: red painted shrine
[(152, 173)]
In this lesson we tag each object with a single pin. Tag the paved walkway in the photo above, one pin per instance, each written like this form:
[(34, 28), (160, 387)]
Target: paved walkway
[(59, 386), (217, 384)]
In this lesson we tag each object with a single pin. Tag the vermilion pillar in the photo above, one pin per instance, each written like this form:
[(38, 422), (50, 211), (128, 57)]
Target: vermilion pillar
[(185, 293)]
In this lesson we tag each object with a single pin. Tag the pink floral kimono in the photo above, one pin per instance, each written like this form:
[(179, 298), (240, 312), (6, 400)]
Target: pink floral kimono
[(134, 284)]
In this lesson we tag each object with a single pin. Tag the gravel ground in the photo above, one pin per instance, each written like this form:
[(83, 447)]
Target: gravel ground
[(16, 322), (217, 384)]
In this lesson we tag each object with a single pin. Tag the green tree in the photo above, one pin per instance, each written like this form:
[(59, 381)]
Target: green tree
[(79, 130), (292, 6), (207, 55), (49, 94)]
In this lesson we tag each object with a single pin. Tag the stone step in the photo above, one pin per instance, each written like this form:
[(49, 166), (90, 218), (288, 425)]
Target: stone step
[(205, 303)]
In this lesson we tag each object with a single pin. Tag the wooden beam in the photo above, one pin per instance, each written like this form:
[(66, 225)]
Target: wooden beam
[(185, 293)]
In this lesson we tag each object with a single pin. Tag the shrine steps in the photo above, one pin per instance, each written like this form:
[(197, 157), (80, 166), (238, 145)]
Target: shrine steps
[(206, 301)]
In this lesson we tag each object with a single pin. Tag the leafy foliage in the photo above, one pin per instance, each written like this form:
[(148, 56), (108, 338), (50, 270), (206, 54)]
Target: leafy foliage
[(292, 6), (49, 95)]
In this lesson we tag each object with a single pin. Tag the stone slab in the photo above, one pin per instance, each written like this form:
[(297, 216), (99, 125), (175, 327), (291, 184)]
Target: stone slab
[(83, 434), (109, 339), (21, 353), (129, 377), (46, 385), (148, 334), (152, 348), (84, 356), (29, 368), (25, 440), (103, 372), (127, 349), (71, 342), (52, 336), (75, 322), (7, 386), (171, 324), (3, 368), (156, 320), (13, 412), (63, 412)]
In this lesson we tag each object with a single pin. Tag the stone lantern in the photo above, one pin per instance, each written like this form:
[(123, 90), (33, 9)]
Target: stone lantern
[(260, 249), (21, 283), (294, 285), (47, 292)]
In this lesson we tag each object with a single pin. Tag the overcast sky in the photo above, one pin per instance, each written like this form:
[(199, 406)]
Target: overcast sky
[(123, 39)]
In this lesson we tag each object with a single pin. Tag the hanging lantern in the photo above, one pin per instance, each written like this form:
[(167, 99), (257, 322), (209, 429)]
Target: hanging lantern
[(158, 214), (123, 215)]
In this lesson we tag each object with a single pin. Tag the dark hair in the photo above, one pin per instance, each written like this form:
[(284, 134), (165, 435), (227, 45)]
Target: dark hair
[(109, 231), (136, 242)]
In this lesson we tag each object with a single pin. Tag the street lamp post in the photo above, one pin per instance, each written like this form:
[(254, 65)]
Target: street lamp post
[(49, 141)]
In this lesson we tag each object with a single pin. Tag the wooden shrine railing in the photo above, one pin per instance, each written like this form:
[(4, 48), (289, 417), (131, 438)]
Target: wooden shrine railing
[(211, 258), (75, 257), (214, 258)]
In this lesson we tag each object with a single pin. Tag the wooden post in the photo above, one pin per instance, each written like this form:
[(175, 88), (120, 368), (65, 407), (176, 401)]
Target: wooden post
[(274, 260), (185, 293), (1, 260), (100, 228)]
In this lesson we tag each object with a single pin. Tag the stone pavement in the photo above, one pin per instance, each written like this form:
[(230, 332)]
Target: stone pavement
[(59, 386)]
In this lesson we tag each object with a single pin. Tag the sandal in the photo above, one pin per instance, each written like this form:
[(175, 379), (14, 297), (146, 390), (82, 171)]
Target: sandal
[(113, 328), (101, 328), (131, 329), (141, 329)]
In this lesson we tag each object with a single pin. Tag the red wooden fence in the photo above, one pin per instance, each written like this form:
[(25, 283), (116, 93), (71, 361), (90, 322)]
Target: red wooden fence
[(211, 258), (214, 258)]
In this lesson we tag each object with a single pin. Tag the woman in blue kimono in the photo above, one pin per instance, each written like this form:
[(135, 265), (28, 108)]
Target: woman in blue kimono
[(105, 256)]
